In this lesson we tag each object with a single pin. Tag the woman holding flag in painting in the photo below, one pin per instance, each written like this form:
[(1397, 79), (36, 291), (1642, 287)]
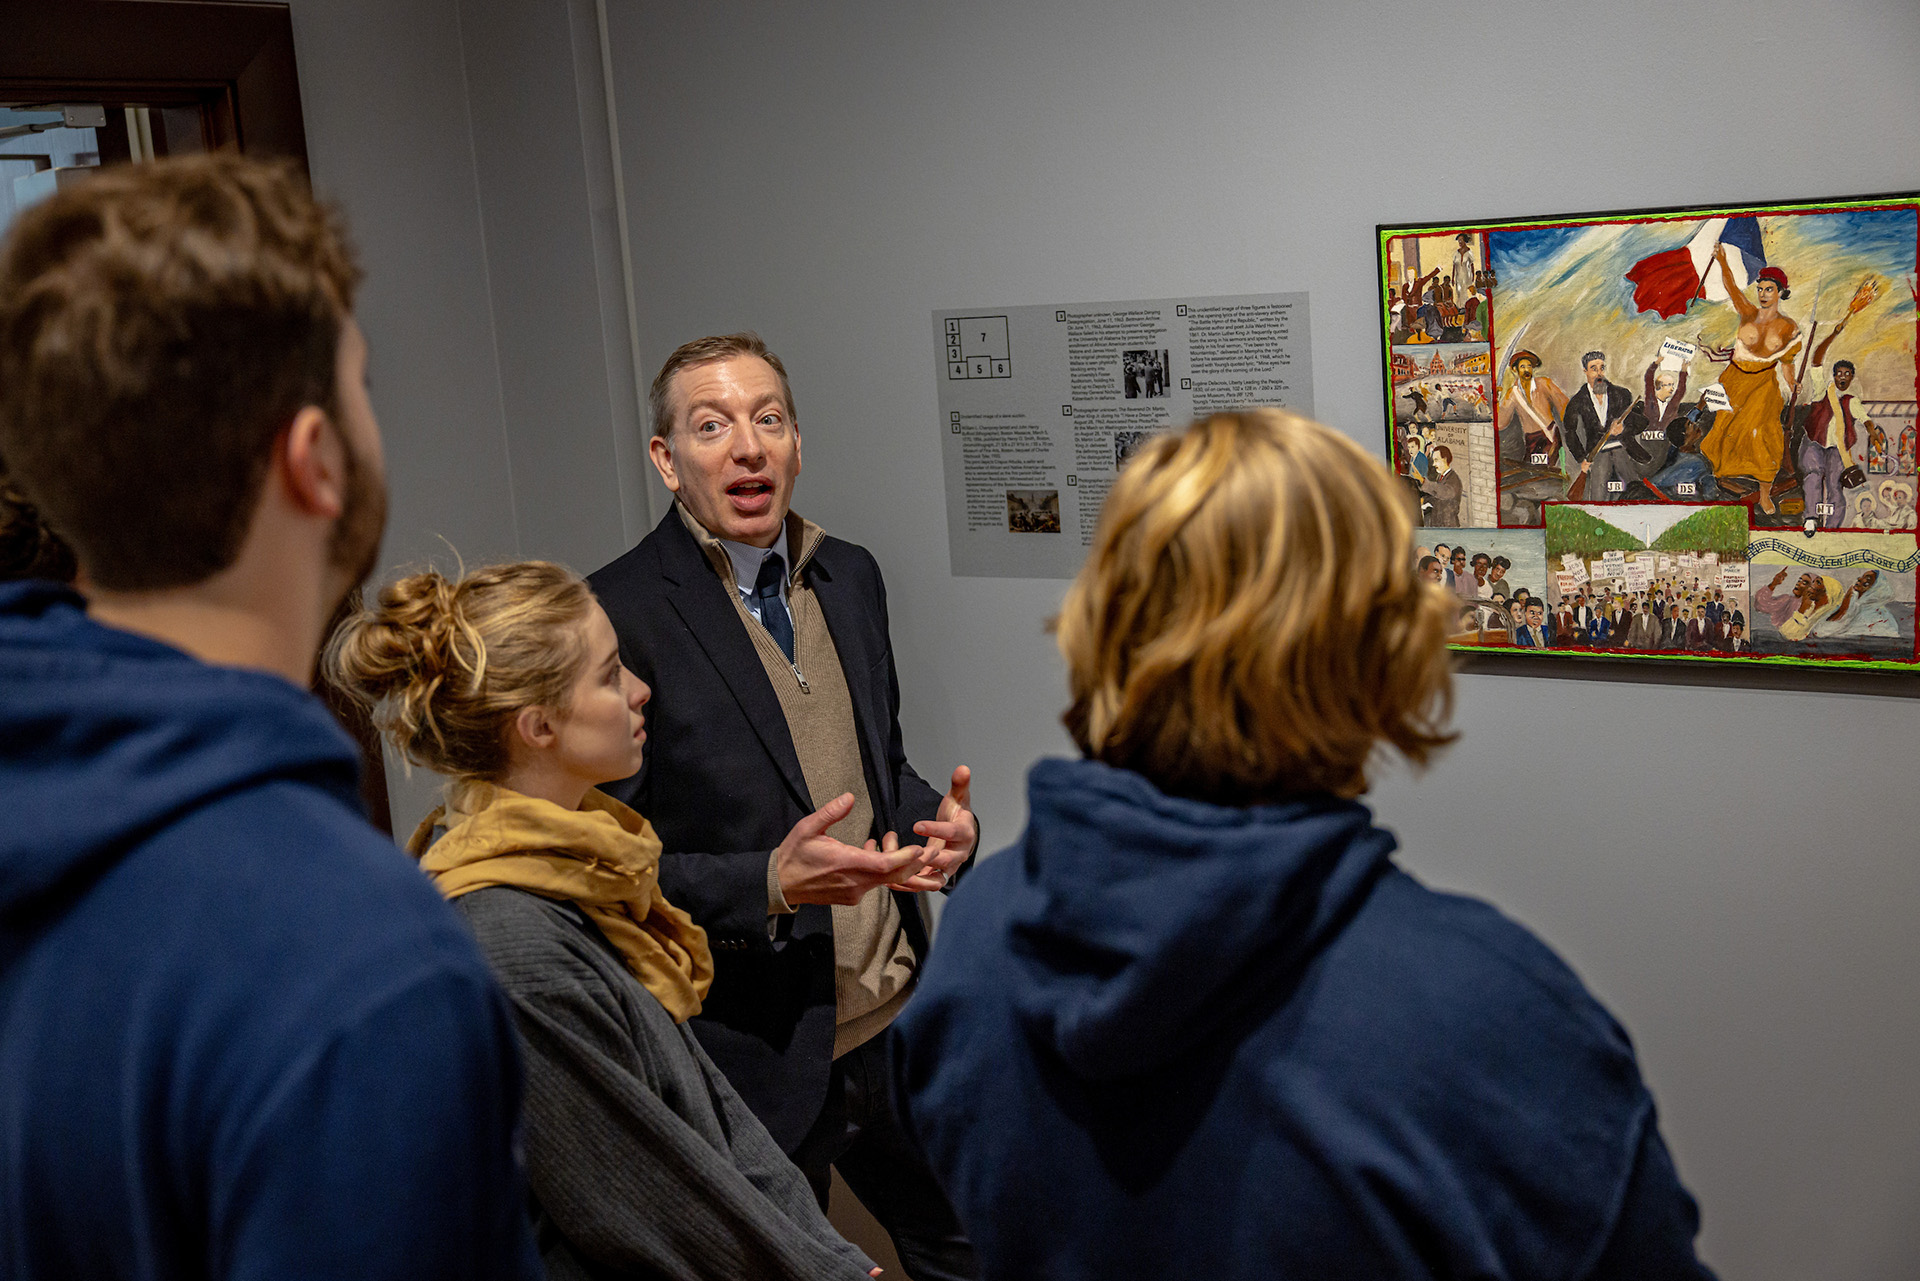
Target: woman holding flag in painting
[(1748, 437)]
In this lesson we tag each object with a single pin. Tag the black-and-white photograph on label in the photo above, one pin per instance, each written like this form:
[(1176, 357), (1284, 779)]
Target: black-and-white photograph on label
[(1146, 373), (1128, 443)]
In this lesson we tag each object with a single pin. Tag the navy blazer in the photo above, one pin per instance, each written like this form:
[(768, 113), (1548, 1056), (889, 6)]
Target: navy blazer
[(722, 786)]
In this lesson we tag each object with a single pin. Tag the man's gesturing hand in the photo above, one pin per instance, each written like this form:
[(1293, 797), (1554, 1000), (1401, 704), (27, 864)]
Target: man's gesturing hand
[(815, 868), (952, 832)]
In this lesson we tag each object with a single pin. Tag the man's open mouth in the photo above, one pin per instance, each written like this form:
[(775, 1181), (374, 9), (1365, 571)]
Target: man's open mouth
[(750, 495)]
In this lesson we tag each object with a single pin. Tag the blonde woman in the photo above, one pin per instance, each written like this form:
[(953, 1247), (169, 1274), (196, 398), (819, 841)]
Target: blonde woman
[(642, 1159), (1196, 1022)]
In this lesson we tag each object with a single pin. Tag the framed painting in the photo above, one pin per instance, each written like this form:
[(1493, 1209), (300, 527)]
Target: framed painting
[(1682, 435)]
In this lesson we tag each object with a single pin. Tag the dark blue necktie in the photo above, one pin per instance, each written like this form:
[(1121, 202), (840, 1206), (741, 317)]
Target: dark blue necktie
[(773, 610)]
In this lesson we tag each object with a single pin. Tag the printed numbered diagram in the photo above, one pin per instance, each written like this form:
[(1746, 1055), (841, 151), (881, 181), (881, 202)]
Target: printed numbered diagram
[(977, 347)]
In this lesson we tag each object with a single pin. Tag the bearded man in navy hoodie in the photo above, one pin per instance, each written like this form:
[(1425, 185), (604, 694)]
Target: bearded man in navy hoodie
[(240, 1036)]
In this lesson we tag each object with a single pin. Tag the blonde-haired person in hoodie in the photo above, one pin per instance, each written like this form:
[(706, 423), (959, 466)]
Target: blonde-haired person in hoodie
[(1196, 1023), (642, 1159)]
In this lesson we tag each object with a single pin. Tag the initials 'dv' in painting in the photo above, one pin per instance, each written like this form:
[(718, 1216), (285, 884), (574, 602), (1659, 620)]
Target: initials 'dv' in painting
[(1759, 359)]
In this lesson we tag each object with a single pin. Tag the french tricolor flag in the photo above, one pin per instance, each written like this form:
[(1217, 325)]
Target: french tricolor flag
[(1669, 281)]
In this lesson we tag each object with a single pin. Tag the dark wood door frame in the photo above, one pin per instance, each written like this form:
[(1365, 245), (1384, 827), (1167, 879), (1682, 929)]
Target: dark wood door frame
[(235, 61), (238, 55)]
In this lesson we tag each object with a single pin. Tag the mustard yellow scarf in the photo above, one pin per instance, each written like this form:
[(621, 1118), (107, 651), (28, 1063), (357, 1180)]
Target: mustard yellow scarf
[(602, 856)]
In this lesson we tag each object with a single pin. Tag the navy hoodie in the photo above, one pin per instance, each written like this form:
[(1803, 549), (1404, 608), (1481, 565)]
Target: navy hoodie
[(240, 1034), (1160, 1038)]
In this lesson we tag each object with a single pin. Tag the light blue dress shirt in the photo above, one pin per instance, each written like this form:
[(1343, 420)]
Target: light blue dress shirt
[(746, 560)]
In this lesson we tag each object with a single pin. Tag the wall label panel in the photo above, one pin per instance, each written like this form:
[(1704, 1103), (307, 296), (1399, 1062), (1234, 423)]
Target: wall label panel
[(1041, 406)]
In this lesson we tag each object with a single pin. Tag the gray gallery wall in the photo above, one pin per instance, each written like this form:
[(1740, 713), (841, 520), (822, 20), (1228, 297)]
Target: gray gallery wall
[(1735, 872), (1732, 870), (468, 142)]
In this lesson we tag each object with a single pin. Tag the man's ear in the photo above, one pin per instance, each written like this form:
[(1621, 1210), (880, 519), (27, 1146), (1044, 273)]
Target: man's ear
[(535, 728), (796, 448), (662, 455), (310, 460)]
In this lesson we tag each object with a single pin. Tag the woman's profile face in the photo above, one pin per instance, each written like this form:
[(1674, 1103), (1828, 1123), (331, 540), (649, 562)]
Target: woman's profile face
[(600, 737)]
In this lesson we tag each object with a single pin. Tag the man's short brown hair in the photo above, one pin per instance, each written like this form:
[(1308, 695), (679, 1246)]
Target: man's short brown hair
[(160, 326), (1249, 624), (704, 351)]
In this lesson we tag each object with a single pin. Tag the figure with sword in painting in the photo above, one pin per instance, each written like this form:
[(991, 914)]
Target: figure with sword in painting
[(1535, 401)]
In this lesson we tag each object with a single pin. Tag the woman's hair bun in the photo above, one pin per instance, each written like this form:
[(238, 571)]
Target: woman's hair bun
[(445, 665)]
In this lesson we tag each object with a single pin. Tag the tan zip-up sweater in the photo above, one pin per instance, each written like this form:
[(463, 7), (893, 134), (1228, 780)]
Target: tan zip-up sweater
[(874, 965)]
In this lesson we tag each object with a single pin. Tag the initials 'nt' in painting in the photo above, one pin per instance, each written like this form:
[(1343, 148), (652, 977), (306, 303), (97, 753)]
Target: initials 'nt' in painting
[(1752, 368)]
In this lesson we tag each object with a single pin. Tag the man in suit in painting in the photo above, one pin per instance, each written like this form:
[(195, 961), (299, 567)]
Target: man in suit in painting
[(1599, 630), (1532, 633), (1620, 622), (1445, 489), (1642, 632), (1696, 629), (1590, 412), (1580, 622), (1673, 628)]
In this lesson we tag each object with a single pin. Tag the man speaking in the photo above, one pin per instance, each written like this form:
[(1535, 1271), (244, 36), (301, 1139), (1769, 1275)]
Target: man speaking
[(775, 768)]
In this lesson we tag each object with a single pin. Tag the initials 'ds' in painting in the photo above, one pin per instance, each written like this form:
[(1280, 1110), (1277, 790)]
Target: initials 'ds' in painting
[(1758, 359)]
